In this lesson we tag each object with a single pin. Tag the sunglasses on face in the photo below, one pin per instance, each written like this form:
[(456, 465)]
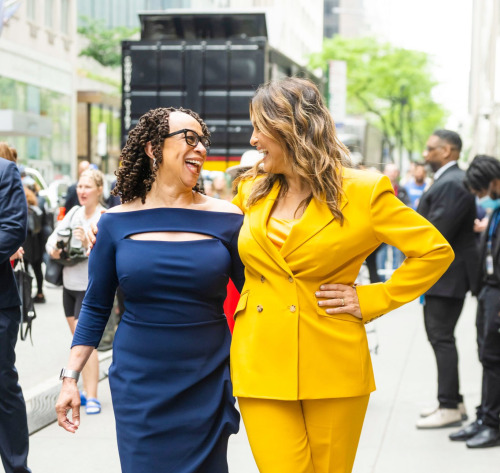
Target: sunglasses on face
[(192, 138)]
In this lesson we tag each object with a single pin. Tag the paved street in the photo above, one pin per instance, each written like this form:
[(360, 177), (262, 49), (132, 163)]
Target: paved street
[(390, 443)]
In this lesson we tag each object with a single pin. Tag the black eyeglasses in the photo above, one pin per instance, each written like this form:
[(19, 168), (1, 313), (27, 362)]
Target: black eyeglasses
[(192, 138)]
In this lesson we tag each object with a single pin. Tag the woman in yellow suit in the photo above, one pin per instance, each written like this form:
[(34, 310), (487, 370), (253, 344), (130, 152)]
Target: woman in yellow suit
[(300, 362)]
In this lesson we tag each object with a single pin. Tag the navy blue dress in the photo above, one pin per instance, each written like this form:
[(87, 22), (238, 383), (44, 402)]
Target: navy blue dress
[(169, 379)]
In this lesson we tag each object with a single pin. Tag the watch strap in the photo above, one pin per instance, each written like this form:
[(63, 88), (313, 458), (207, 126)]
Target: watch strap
[(65, 373)]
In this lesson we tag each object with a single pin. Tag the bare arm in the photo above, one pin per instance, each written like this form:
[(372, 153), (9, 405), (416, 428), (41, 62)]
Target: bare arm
[(69, 397)]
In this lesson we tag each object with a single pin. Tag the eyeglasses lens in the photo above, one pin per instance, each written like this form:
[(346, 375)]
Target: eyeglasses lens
[(192, 139)]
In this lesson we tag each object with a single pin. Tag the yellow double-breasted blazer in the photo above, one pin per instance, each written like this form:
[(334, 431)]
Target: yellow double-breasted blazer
[(287, 347)]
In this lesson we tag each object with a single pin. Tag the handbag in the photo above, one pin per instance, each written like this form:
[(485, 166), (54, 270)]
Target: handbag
[(54, 272), (24, 284)]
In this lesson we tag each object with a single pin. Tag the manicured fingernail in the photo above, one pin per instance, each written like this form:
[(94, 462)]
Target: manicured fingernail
[(322, 287), (317, 293)]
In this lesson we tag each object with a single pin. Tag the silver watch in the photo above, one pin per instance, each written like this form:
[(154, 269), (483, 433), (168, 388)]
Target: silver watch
[(65, 373)]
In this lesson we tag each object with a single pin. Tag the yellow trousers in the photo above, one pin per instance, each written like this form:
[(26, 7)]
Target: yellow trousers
[(308, 436)]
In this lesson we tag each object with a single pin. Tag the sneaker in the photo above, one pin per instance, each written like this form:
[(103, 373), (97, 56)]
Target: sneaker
[(427, 411), (39, 299), (441, 418)]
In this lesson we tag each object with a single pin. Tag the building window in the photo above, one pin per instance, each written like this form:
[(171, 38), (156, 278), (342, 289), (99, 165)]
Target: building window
[(65, 19), (49, 13), (31, 10)]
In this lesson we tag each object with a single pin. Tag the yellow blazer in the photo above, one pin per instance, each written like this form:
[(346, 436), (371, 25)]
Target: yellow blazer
[(284, 345)]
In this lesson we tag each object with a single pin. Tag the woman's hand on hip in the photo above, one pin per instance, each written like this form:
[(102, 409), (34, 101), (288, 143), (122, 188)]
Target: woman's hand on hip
[(339, 299)]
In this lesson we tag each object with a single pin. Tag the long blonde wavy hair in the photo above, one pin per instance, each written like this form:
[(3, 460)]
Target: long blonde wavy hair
[(292, 112)]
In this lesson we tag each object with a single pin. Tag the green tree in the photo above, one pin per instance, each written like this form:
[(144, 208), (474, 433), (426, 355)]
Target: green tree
[(104, 44), (390, 86)]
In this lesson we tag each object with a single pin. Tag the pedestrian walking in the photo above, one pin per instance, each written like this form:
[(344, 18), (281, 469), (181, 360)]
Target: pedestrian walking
[(416, 186), (171, 249), (71, 194), (72, 230), (382, 255), (300, 361), (34, 245), (8, 152), (483, 178), (14, 443), (451, 208)]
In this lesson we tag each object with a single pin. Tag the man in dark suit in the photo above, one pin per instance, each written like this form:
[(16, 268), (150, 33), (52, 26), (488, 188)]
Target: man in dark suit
[(451, 208), (482, 178), (13, 224)]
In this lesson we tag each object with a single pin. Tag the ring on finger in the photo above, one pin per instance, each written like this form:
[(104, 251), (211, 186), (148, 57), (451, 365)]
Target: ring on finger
[(343, 302)]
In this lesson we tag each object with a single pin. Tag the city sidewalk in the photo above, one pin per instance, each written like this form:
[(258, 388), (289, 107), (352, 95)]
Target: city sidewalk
[(406, 379)]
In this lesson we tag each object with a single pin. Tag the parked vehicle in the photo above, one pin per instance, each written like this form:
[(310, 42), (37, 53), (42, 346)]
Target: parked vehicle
[(210, 63)]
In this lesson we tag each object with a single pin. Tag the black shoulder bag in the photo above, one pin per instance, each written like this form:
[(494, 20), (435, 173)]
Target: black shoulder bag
[(24, 284)]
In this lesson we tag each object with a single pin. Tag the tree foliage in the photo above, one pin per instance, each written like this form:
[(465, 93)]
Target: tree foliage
[(390, 86), (104, 44)]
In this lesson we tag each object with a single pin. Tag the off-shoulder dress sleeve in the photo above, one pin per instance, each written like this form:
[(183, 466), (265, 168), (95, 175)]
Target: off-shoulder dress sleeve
[(103, 281)]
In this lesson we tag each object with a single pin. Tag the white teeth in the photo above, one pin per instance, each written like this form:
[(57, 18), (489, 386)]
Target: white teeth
[(196, 163)]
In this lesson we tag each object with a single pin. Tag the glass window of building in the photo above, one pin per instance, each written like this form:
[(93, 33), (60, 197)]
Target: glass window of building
[(31, 10), (49, 13), (48, 151), (65, 19)]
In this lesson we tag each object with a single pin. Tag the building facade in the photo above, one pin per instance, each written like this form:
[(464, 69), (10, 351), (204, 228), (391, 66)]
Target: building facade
[(484, 93), (124, 12), (295, 40), (37, 92), (331, 23)]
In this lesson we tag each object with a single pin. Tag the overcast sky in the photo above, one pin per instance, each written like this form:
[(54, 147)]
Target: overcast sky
[(439, 27)]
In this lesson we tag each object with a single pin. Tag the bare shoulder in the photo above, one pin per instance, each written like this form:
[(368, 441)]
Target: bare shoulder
[(127, 207), (219, 205)]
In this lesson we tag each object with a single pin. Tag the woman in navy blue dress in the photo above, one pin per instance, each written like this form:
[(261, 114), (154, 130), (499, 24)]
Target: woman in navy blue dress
[(171, 250)]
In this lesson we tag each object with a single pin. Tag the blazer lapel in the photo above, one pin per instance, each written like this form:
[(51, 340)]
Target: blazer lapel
[(258, 217), (316, 217)]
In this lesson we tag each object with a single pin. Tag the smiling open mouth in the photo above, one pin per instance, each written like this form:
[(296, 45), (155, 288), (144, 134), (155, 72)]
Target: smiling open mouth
[(194, 165)]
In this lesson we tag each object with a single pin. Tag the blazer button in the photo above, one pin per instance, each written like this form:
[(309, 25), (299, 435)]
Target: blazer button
[(290, 279), (293, 308), (262, 279), (260, 308)]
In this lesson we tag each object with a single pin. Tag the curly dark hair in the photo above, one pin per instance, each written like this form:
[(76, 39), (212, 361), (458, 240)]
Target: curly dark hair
[(134, 177)]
